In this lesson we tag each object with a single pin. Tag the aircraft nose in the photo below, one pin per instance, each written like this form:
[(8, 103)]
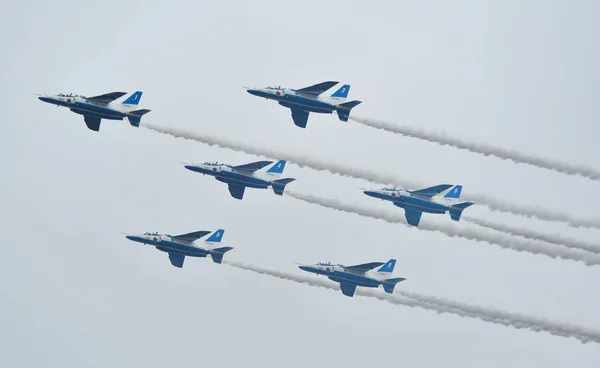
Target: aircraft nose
[(45, 99), (253, 92), (130, 237), (370, 193), (305, 268)]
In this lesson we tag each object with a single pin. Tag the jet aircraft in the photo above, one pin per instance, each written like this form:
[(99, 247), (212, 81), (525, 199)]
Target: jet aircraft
[(179, 246), (306, 100), (436, 199), (260, 174), (363, 275), (96, 108)]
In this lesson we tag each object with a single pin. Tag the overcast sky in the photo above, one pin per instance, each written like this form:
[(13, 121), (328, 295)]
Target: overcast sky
[(75, 292)]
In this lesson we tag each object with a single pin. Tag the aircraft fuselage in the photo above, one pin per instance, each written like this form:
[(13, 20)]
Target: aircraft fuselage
[(292, 99), (339, 274), (167, 244), (228, 175), (410, 201), (80, 105)]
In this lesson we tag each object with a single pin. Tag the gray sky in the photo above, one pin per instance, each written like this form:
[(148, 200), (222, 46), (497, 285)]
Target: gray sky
[(519, 74)]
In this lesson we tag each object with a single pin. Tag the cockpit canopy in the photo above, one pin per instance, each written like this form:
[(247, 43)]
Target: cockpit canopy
[(390, 189), (69, 95), (324, 264), (269, 87), (147, 233)]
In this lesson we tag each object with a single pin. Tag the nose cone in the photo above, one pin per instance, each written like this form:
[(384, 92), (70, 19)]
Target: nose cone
[(254, 92), (305, 268), (46, 99), (371, 193), (130, 237)]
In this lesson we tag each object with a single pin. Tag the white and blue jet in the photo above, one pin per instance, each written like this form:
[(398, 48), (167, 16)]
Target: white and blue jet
[(96, 108), (180, 246), (364, 275), (260, 174), (306, 100), (437, 199)]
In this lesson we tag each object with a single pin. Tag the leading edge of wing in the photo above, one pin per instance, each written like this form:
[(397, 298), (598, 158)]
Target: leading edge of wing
[(365, 266), (318, 88), (107, 97), (191, 236), (431, 191), (253, 166)]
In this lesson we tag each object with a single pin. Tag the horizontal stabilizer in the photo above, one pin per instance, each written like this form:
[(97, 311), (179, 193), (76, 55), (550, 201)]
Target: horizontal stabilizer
[(279, 185), (456, 210), (390, 284), (217, 253), (135, 116), (107, 97), (317, 89), (343, 110)]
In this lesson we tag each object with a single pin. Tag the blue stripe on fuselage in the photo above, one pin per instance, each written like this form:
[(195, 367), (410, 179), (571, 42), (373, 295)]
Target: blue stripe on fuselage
[(341, 276), (168, 246), (422, 205), (248, 181), (97, 110)]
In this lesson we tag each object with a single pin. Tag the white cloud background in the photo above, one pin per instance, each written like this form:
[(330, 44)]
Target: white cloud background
[(521, 74)]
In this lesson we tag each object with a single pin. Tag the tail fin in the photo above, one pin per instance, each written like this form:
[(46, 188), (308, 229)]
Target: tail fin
[(279, 185), (343, 109), (453, 192), (135, 117), (390, 284), (274, 170), (341, 94), (216, 236), (456, 210), (387, 269), (133, 100), (217, 253)]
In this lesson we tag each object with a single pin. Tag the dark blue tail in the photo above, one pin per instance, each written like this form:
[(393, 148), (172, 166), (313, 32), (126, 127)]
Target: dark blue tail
[(135, 117), (456, 210), (343, 110), (279, 185), (390, 284)]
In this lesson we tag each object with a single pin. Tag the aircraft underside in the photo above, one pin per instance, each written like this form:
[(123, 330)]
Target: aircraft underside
[(242, 182), (425, 209)]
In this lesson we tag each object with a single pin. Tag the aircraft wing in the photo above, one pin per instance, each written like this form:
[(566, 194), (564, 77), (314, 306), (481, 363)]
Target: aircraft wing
[(431, 191), (317, 89), (236, 190), (300, 117), (348, 288), (253, 166), (107, 97), (413, 217), (191, 236), (92, 122), (364, 267), (176, 259)]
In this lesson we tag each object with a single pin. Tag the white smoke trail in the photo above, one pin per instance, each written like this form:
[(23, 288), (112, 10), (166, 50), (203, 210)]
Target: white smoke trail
[(534, 235), (482, 148), (366, 174), (504, 241), (441, 305)]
